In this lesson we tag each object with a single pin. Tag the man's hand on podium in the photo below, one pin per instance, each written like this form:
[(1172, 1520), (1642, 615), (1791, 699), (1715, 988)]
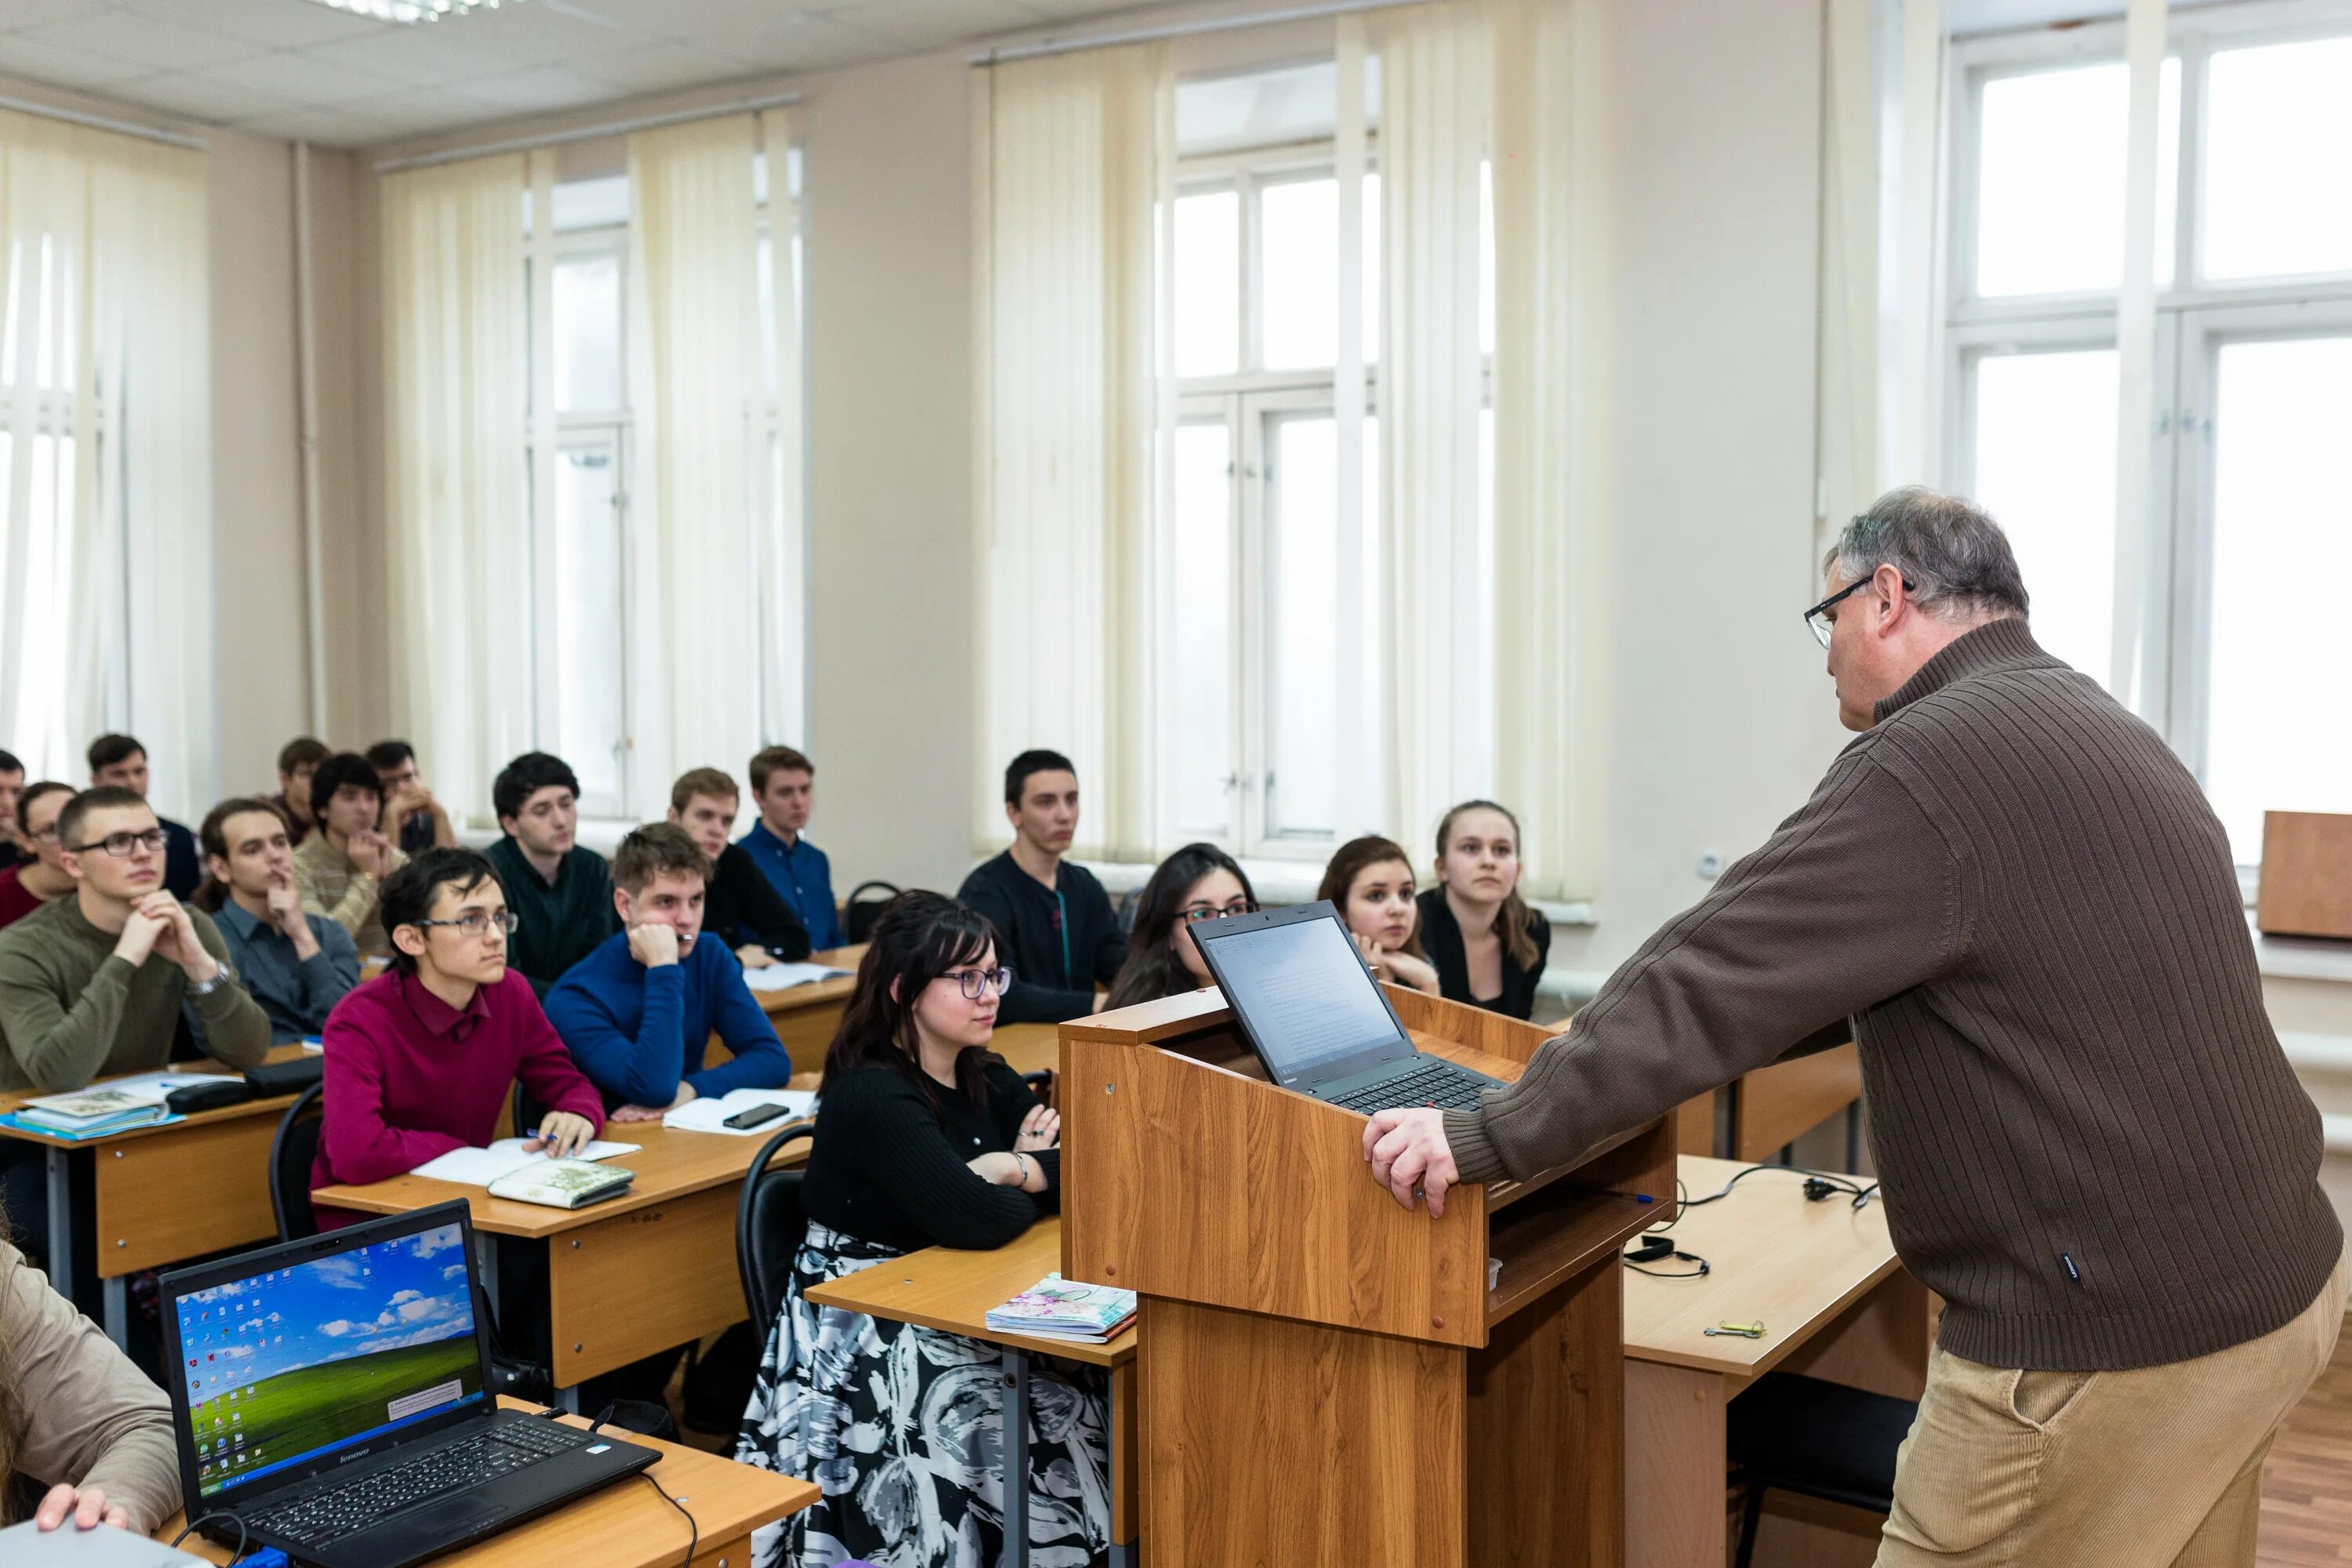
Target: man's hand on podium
[(1409, 1156)]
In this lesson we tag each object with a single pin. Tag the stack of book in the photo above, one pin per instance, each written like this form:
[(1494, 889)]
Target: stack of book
[(89, 1112), (1056, 1308)]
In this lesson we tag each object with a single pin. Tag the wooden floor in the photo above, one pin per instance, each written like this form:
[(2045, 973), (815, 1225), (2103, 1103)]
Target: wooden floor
[(2307, 1485)]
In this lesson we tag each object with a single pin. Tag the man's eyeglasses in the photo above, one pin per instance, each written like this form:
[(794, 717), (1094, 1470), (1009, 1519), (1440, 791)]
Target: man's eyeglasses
[(976, 982), (1818, 620), (121, 845), (1193, 914), (475, 924)]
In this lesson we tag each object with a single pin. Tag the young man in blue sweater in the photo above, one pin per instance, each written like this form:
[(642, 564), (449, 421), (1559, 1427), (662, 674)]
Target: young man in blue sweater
[(638, 1010)]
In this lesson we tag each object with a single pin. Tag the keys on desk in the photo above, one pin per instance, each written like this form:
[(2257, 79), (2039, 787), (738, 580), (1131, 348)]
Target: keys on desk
[(1738, 1330)]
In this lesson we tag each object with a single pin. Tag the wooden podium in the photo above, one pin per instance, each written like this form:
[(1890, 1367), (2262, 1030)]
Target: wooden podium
[(1324, 1377)]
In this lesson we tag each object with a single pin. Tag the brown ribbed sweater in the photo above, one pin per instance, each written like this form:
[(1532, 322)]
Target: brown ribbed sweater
[(2091, 1143)]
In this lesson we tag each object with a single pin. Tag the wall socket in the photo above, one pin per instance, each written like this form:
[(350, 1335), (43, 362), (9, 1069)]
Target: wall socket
[(1710, 864)]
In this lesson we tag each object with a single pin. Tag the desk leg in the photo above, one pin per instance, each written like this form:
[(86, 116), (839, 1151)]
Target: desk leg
[(1123, 1530), (117, 1311), (486, 1269), (567, 1400), (1016, 1459), (1674, 1502)]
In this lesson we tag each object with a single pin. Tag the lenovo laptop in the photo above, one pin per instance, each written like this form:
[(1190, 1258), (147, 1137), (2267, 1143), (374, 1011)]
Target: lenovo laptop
[(1317, 1018), (331, 1398)]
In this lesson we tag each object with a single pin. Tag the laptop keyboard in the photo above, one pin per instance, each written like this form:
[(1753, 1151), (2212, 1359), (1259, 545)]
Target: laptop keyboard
[(341, 1511), (1446, 1087)]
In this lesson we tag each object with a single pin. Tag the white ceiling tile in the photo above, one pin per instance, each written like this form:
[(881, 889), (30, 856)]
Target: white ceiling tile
[(141, 39), (537, 33), (540, 88), (800, 43), (434, 55), (20, 56), (932, 23), (14, 14), (199, 97), (326, 127), (272, 24), (656, 67), (298, 79)]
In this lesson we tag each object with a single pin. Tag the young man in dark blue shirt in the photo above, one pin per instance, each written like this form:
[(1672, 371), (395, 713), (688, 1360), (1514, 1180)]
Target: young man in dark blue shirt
[(784, 786), (637, 1012), (1060, 938)]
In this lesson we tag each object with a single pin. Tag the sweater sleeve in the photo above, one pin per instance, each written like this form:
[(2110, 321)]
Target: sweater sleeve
[(1110, 945), (641, 1069), (1026, 1001), (742, 1025), (90, 1418), (545, 1069), (61, 1047), (351, 910), (767, 917), (361, 1147), (896, 1144), (229, 1022), (328, 975), (1853, 898), (1011, 1099)]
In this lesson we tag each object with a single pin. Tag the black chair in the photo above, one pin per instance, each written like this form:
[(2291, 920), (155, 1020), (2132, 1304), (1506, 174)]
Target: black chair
[(528, 1112), (768, 1227), (292, 1153), (1815, 1438), (857, 921), (1041, 1084)]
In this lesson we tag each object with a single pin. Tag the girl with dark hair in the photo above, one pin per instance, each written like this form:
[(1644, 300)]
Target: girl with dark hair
[(926, 1138), (1370, 881), (1488, 946), (1199, 882)]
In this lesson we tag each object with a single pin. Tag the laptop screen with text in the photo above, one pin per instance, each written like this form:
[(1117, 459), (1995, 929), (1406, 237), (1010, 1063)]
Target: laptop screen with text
[(292, 1363), (1305, 997)]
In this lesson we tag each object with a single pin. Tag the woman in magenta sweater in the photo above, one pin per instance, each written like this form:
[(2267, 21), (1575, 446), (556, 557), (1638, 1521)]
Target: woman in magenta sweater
[(419, 1061)]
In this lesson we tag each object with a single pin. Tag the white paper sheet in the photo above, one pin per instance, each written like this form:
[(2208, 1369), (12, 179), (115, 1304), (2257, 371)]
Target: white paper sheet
[(481, 1167), (784, 977), (710, 1115)]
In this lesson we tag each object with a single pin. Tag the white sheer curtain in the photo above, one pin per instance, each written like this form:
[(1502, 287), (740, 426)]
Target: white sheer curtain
[(106, 520), (457, 500), (1064, 172), (696, 393), (1550, 566), (1847, 449), (1437, 92)]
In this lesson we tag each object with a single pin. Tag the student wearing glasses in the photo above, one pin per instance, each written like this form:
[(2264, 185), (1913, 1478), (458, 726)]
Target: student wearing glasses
[(41, 876), (1199, 882), (99, 984), (927, 1139), (420, 1059)]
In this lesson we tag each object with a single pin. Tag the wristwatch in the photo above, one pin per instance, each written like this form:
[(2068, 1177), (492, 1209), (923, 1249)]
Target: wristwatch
[(221, 976)]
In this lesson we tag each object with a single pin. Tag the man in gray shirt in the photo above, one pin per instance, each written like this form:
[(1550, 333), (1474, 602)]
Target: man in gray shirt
[(297, 965)]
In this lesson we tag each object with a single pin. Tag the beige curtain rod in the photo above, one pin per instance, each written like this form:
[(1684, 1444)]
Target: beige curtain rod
[(587, 132), (1177, 30), (100, 122)]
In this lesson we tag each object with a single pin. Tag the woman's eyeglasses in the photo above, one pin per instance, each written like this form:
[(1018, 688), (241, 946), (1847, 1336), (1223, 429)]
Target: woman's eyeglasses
[(1194, 913), (475, 924), (976, 982)]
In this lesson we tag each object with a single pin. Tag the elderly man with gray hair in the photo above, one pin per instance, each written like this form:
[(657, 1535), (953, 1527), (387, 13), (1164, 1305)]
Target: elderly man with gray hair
[(2091, 1143)]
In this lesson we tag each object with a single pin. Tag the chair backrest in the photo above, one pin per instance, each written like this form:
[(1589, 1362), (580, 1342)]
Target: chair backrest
[(528, 1112), (858, 922), (1041, 1084), (768, 1227), (292, 1153)]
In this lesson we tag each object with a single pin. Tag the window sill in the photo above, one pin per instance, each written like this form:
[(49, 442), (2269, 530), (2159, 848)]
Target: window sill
[(2300, 957)]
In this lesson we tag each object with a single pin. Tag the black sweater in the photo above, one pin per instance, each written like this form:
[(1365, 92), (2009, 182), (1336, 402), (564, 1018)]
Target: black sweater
[(744, 909), (1440, 938), (888, 1165), (1052, 979)]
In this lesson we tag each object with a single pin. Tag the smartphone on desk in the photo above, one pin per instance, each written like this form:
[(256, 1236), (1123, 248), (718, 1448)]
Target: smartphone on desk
[(757, 1116)]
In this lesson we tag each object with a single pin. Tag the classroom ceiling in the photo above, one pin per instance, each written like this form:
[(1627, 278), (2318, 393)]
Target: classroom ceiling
[(300, 69)]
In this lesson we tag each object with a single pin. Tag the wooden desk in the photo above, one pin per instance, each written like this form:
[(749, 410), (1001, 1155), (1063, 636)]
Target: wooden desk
[(806, 1017), (942, 1288), (626, 1278), (1753, 1117), (1824, 1279), (625, 1525), (158, 1196)]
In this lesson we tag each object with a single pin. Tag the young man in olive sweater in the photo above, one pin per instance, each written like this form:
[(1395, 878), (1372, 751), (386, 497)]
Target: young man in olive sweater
[(2091, 1143), (93, 985)]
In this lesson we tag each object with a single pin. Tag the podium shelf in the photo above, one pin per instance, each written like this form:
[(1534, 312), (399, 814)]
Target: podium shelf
[(1554, 1234)]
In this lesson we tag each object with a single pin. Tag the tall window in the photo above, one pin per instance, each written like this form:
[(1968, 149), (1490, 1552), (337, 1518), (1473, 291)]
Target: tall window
[(581, 540), (1253, 595), (2250, 498), (37, 451)]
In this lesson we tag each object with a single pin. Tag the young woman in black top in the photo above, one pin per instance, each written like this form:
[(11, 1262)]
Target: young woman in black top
[(924, 1138), (1489, 948), (1371, 883), (1199, 882)]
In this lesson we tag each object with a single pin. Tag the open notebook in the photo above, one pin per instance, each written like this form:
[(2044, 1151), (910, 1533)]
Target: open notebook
[(508, 1171)]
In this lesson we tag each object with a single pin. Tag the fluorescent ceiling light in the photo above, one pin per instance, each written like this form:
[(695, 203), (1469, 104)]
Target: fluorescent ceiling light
[(410, 11)]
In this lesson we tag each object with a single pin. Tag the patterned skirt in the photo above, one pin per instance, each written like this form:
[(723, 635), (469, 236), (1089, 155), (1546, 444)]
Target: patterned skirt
[(901, 1428)]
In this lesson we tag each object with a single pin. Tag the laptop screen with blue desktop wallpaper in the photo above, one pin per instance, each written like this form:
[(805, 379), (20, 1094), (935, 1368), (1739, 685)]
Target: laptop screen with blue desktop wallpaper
[(304, 1361)]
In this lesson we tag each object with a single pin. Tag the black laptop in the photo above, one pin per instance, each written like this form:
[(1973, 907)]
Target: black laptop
[(1317, 1018), (332, 1397)]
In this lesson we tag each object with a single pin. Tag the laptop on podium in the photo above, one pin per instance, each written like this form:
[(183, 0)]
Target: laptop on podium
[(331, 1398), (1316, 1018)]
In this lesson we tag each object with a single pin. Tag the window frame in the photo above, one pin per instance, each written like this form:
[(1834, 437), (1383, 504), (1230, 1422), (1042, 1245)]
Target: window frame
[(2195, 318)]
